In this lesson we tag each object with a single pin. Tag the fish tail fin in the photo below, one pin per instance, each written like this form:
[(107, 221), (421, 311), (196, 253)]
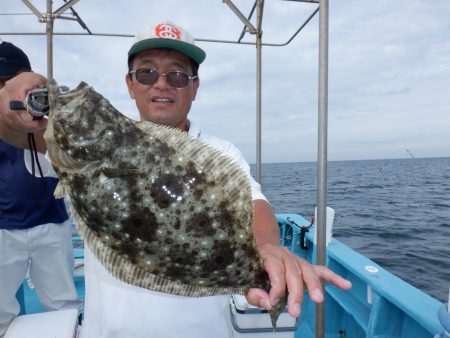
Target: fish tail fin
[(277, 310)]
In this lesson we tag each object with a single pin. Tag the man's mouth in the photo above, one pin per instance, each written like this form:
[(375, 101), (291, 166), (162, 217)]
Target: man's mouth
[(162, 100)]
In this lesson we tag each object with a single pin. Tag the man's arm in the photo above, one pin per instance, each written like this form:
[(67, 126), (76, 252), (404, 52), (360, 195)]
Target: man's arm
[(287, 272), (16, 124)]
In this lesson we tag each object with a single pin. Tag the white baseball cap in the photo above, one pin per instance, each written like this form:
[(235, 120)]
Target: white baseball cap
[(167, 35)]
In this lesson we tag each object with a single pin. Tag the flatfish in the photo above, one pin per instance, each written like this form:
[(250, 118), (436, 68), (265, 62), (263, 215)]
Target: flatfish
[(159, 209)]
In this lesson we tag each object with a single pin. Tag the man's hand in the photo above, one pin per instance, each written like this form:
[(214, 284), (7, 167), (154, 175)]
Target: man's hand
[(16, 89), (289, 273)]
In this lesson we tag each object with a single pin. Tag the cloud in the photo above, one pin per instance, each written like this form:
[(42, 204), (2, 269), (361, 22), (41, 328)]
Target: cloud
[(388, 71)]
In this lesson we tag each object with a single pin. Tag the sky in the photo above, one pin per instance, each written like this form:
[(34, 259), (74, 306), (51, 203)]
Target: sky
[(389, 71)]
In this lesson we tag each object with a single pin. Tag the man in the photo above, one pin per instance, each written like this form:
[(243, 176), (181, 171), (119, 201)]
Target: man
[(163, 81), (35, 232)]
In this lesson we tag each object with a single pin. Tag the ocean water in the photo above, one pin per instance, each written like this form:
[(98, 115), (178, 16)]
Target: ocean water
[(396, 212)]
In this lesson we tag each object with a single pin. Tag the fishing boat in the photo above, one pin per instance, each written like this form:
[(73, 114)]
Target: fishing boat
[(379, 305)]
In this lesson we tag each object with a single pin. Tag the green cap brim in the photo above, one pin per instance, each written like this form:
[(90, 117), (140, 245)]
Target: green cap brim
[(194, 52)]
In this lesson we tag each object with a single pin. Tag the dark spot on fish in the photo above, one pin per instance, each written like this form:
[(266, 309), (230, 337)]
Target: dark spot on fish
[(111, 216), (117, 235), (93, 220), (149, 250), (183, 262), (225, 217), (223, 254), (162, 149), (177, 224), (193, 175), (174, 272), (127, 138), (226, 281), (141, 225), (198, 193), (165, 190), (200, 225), (127, 248), (150, 158)]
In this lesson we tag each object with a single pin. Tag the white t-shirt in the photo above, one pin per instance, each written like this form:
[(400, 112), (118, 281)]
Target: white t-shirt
[(114, 309)]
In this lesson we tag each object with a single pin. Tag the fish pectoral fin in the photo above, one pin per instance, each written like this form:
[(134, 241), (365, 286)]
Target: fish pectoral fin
[(60, 190), (119, 172)]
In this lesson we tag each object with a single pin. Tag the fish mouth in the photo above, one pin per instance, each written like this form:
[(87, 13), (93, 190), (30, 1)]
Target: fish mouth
[(65, 158)]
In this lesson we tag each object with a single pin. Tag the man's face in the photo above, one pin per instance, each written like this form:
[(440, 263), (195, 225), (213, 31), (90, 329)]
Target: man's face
[(161, 103), (3, 80)]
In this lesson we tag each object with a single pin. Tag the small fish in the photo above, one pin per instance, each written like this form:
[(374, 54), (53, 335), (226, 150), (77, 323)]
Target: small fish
[(159, 209)]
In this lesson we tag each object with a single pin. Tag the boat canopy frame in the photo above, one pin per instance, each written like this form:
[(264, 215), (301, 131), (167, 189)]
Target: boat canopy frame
[(323, 9)]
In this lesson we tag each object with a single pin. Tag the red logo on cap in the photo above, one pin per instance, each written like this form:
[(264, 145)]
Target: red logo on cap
[(166, 31)]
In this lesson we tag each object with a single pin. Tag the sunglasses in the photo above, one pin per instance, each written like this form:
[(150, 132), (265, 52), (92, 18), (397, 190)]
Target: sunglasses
[(148, 76)]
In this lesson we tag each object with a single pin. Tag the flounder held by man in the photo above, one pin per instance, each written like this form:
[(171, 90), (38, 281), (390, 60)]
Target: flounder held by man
[(159, 209)]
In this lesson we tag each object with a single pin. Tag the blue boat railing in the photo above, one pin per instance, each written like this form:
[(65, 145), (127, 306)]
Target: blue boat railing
[(378, 305)]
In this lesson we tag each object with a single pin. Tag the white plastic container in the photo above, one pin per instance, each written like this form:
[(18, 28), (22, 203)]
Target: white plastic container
[(329, 225), (54, 324), (248, 321)]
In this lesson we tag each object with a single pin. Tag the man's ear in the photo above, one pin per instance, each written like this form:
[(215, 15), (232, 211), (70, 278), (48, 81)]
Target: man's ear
[(129, 82), (195, 86)]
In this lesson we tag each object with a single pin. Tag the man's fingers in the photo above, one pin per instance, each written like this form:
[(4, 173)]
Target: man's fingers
[(290, 273), (294, 281), (311, 279), (331, 277), (312, 276), (259, 298), (276, 269)]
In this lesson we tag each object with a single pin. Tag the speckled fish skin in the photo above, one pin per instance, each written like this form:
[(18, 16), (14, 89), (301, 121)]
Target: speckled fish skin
[(159, 209)]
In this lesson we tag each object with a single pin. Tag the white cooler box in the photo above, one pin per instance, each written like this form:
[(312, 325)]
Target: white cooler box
[(249, 321), (52, 324)]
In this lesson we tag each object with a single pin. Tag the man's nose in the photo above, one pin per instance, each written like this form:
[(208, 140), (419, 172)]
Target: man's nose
[(161, 82)]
